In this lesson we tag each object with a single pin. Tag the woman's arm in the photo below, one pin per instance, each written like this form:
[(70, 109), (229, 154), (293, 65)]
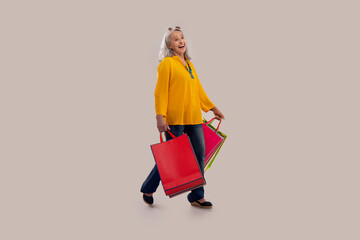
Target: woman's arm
[(206, 103), (217, 113), (161, 123), (161, 95), (162, 88)]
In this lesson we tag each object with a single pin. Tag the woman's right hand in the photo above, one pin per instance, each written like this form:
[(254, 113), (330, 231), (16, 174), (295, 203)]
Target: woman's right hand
[(161, 124)]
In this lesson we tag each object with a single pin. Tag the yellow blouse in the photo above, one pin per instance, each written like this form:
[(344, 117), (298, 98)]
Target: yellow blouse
[(178, 97)]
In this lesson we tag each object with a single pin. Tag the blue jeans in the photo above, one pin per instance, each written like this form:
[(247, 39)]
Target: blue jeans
[(196, 136)]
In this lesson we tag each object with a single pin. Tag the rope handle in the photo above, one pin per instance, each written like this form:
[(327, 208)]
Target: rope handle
[(212, 121), (172, 135)]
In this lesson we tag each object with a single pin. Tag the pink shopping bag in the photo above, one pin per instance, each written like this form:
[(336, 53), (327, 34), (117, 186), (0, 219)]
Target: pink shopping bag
[(213, 140)]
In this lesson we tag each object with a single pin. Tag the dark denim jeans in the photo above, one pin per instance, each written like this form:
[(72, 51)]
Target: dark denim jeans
[(196, 136)]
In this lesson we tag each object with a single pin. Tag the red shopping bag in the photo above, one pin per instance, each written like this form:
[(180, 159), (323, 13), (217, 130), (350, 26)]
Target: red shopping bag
[(177, 164), (213, 141)]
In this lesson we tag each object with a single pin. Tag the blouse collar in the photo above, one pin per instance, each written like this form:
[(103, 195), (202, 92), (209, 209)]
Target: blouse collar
[(176, 56)]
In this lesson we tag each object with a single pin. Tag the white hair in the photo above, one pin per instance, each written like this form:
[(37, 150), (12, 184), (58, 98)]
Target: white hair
[(167, 52)]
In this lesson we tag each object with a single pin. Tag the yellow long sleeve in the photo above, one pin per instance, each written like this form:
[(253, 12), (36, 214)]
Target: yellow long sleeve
[(162, 88), (178, 97), (205, 102)]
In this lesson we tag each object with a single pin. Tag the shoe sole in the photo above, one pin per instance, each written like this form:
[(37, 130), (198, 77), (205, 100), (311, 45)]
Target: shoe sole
[(195, 204)]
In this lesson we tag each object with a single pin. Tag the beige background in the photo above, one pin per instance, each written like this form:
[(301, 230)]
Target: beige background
[(77, 119)]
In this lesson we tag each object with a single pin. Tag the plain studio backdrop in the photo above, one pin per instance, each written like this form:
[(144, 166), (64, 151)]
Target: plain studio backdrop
[(77, 119)]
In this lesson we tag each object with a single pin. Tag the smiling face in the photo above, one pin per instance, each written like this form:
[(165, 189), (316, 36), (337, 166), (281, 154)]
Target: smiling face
[(177, 43)]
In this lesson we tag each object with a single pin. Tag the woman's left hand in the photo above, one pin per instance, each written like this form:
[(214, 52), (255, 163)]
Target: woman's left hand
[(217, 113)]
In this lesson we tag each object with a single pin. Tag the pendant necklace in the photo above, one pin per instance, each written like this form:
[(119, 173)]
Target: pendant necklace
[(189, 70)]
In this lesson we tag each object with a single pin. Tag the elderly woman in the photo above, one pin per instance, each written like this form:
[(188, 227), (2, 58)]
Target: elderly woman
[(179, 99)]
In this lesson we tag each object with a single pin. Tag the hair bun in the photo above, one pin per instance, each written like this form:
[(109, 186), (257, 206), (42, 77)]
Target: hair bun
[(170, 28), (177, 27)]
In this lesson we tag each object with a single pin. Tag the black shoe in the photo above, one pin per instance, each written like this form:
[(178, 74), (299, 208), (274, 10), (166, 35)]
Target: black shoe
[(201, 205), (148, 200)]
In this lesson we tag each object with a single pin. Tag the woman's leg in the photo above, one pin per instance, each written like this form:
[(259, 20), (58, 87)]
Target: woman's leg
[(196, 135), (153, 180)]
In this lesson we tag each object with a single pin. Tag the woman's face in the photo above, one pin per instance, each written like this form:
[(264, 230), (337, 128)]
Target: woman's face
[(177, 43)]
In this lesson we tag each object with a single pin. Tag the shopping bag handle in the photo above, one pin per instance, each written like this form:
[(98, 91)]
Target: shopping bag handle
[(172, 135), (212, 121)]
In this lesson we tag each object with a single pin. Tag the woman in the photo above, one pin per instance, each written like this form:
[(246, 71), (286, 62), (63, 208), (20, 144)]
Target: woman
[(179, 99)]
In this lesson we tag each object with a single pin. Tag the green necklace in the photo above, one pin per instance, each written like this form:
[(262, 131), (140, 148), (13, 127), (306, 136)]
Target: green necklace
[(189, 70)]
